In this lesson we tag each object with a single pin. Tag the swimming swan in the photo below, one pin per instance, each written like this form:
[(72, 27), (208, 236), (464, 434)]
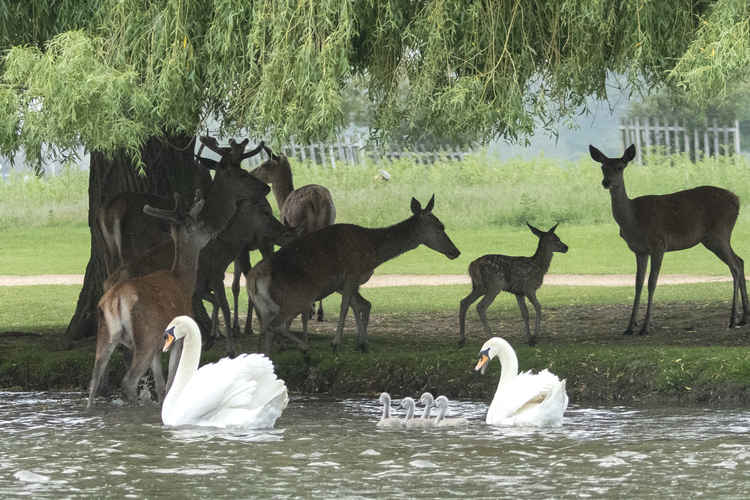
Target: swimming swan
[(386, 420), (243, 391), (522, 398), (422, 422), (440, 421)]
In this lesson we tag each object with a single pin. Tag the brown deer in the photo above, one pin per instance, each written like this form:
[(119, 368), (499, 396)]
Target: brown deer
[(338, 258), (135, 311), (129, 233), (522, 276), (252, 226), (306, 209), (654, 224)]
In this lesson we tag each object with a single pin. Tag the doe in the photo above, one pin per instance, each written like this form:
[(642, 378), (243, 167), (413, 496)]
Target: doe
[(522, 276), (654, 224)]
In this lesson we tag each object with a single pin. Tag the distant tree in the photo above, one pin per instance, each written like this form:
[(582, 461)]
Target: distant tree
[(133, 81)]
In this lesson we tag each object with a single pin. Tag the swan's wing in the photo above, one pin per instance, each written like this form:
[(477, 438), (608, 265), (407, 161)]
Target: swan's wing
[(244, 383), (524, 393)]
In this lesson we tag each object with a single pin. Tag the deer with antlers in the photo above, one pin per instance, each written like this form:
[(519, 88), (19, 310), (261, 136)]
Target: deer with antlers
[(305, 209), (338, 258), (134, 312), (654, 224)]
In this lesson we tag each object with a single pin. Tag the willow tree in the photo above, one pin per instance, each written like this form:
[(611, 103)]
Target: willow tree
[(133, 81)]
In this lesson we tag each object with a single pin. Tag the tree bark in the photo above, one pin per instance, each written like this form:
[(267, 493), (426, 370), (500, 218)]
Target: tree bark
[(169, 168)]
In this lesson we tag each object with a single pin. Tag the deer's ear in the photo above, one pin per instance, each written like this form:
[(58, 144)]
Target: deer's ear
[(534, 230), (596, 155), (629, 153), (552, 229), (416, 207), (430, 204)]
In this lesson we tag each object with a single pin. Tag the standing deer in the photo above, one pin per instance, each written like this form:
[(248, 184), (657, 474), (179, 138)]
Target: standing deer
[(135, 311), (129, 233), (522, 276), (654, 224), (337, 258), (305, 209)]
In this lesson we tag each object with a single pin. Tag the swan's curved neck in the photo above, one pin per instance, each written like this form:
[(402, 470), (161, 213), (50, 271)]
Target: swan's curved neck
[(386, 408), (442, 410), (409, 410), (189, 359), (508, 361)]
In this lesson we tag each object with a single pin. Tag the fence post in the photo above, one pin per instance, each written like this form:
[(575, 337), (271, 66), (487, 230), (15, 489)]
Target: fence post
[(736, 137)]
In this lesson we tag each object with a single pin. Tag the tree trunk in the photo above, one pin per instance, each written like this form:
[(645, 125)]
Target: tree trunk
[(169, 168)]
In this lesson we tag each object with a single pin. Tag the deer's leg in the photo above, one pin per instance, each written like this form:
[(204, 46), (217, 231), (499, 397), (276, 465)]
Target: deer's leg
[(320, 310), (743, 290), (346, 297), (201, 317), (641, 260), (723, 250), (467, 301), (235, 297), (488, 298), (221, 298), (137, 369), (361, 307), (158, 373), (525, 315), (538, 319), (653, 278), (103, 353)]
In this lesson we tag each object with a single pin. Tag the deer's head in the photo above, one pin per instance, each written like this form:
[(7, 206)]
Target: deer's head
[(549, 239), (612, 168), (430, 231)]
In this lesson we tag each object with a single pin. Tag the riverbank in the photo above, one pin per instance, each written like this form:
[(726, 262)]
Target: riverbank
[(689, 358)]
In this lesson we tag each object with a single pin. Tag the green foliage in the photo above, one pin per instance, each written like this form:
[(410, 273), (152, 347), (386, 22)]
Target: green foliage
[(115, 72)]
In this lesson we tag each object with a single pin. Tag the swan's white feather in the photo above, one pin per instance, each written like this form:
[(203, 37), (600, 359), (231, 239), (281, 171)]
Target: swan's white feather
[(534, 399), (243, 391)]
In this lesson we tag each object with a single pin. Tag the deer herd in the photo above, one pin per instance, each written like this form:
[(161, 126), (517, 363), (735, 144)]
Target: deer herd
[(165, 256)]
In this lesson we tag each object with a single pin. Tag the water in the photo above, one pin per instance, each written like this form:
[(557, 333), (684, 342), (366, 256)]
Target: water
[(50, 447)]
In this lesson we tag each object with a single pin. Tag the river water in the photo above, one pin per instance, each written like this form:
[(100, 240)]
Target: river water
[(50, 447)]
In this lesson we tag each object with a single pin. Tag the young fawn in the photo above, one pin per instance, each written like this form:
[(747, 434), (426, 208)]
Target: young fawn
[(522, 276)]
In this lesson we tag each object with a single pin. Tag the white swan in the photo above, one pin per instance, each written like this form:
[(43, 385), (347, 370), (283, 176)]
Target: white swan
[(243, 391), (440, 421), (522, 398), (386, 420), (422, 422)]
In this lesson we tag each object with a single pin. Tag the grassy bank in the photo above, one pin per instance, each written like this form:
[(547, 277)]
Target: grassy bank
[(689, 358)]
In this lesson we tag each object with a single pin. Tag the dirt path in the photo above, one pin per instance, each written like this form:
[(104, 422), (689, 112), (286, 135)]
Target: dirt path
[(384, 280)]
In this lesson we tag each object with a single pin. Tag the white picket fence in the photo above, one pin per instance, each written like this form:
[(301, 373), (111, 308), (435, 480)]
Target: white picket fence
[(353, 149), (647, 133)]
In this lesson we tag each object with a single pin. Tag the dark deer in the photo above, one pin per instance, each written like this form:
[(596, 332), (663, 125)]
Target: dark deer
[(337, 258), (522, 276), (135, 311), (654, 224), (305, 209)]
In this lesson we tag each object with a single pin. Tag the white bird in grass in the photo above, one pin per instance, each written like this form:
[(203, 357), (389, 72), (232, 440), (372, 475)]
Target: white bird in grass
[(242, 392), (386, 420), (534, 399), (441, 421)]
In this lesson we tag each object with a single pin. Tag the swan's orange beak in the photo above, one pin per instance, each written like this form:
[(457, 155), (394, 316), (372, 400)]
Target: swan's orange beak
[(168, 339), (482, 363)]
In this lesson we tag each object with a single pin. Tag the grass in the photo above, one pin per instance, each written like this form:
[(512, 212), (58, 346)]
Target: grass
[(690, 355)]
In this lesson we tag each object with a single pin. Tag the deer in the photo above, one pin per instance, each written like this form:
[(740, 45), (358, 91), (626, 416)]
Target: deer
[(129, 233), (305, 209), (338, 258), (522, 276), (155, 253), (134, 312), (654, 224)]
